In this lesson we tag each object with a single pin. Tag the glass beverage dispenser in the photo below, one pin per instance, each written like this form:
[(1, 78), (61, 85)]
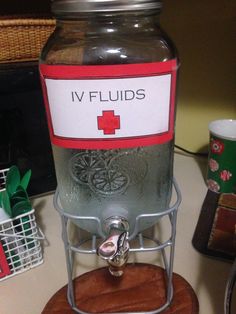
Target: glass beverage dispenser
[(109, 81)]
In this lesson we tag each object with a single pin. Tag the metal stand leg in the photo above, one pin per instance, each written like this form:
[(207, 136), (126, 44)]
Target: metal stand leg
[(69, 261), (173, 220)]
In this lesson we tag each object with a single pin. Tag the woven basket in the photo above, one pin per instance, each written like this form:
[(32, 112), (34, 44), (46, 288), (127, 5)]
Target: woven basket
[(21, 39)]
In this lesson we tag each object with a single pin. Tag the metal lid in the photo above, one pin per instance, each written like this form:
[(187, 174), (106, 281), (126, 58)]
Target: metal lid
[(74, 6)]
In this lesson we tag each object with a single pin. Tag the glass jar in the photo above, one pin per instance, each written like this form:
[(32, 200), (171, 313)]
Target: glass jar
[(109, 78)]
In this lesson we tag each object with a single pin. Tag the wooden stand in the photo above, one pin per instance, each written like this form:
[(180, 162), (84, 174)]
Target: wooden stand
[(142, 288)]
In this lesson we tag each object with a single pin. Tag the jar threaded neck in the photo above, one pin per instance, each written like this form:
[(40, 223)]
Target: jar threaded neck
[(74, 6)]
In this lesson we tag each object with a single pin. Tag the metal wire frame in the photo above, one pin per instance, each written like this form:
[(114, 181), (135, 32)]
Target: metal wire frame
[(157, 246), (22, 252)]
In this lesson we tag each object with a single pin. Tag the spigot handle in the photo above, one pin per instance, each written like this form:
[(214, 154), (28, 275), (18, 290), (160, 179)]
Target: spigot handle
[(114, 246), (115, 249)]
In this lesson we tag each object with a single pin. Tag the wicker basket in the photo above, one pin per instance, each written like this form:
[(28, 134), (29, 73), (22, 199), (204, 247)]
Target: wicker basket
[(21, 39)]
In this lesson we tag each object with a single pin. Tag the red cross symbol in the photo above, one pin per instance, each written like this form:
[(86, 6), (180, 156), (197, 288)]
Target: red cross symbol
[(108, 122)]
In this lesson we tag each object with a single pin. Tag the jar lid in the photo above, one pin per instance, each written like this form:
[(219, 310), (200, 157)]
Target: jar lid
[(74, 6)]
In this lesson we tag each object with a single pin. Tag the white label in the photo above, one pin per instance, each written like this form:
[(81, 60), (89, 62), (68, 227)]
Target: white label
[(130, 106)]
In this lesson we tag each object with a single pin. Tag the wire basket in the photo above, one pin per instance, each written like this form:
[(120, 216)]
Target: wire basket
[(3, 175), (20, 246), (22, 38)]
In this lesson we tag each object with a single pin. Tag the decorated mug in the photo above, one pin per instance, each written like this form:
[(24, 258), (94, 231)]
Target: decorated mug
[(221, 174)]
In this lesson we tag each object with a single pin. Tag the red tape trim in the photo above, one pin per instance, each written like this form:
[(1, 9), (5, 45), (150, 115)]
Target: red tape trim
[(110, 71)]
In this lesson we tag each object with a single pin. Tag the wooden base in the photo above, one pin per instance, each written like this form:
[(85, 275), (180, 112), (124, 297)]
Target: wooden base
[(142, 288)]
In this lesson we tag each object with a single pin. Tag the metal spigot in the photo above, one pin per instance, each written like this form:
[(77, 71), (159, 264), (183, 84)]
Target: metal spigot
[(115, 249)]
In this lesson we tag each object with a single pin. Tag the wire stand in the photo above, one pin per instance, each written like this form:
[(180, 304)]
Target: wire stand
[(143, 246)]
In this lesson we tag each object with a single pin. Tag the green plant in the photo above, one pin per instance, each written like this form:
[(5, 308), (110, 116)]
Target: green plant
[(14, 199)]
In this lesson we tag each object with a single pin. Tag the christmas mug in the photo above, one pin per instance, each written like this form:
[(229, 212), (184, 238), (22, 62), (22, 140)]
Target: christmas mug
[(221, 171)]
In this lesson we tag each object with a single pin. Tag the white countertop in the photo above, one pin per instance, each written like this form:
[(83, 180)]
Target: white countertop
[(28, 292)]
